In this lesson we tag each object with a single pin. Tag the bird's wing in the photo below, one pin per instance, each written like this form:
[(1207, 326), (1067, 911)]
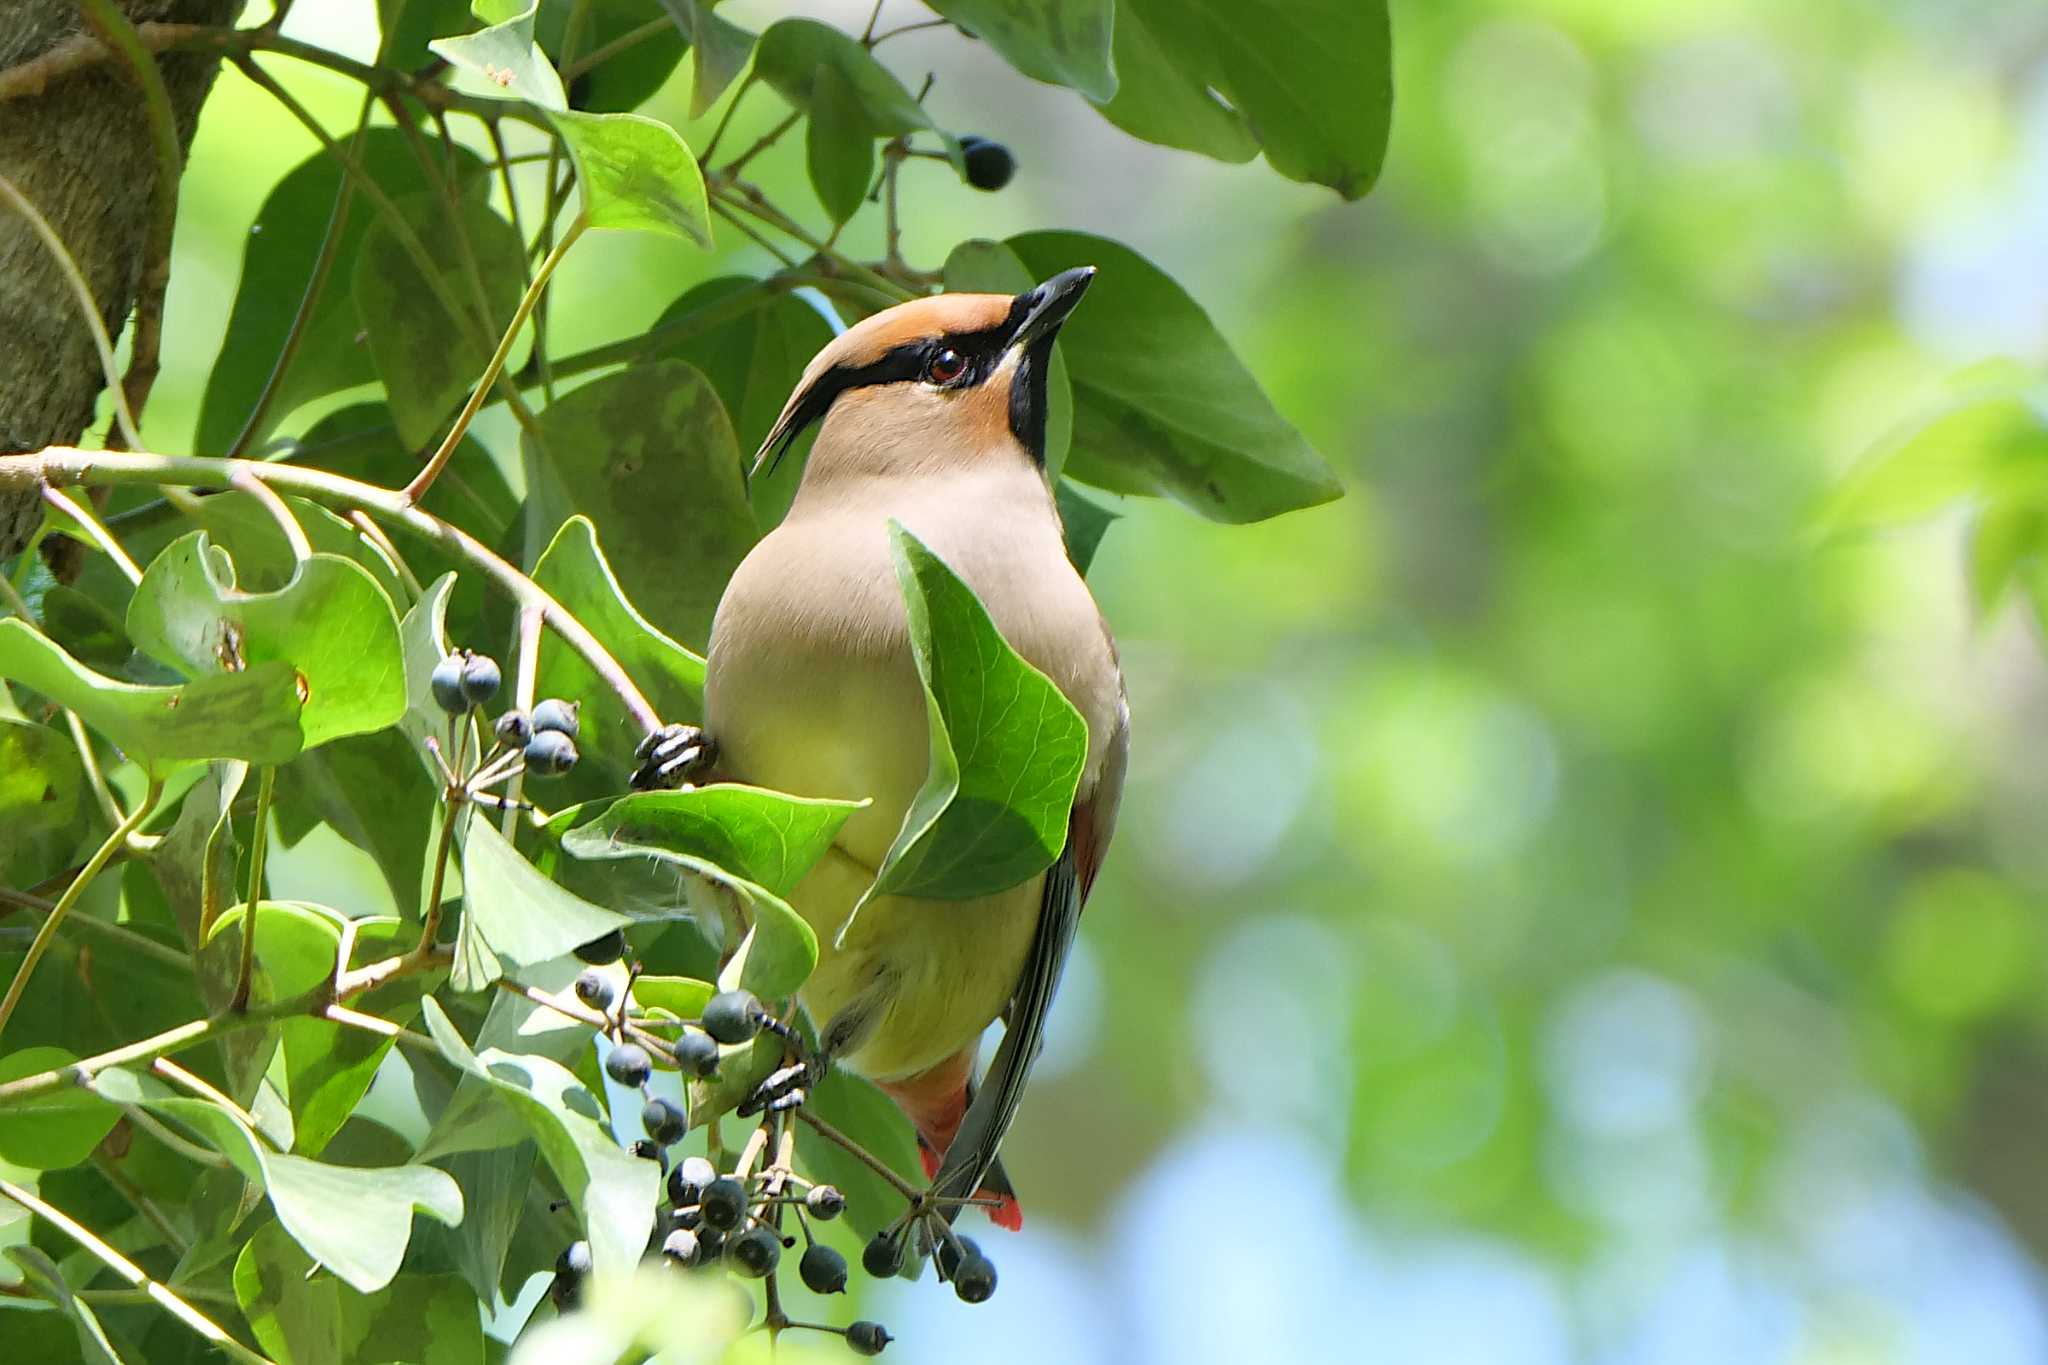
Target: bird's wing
[(1067, 883)]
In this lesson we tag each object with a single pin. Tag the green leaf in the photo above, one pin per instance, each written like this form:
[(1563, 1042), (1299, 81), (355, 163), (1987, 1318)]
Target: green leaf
[(304, 1318), (637, 174), (506, 56), (296, 949), (515, 913), (1310, 81), (754, 360), (794, 51), (283, 247), (361, 787), (428, 359), (613, 1191), (647, 453), (1161, 405), (1084, 520), (251, 715), (681, 996), (861, 1111), (718, 50), (46, 1279), (87, 630), (839, 146), (423, 636), (767, 837), (355, 1221), (237, 523), (1984, 436), (1065, 42), (778, 953), (195, 864), (1006, 748), (408, 26), (576, 572), (49, 1132), (984, 267), (330, 624), (41, 796), (361, 442), (741, 1069)]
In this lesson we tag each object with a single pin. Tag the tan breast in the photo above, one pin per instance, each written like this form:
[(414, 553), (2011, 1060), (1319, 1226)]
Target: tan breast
[(811, 687)]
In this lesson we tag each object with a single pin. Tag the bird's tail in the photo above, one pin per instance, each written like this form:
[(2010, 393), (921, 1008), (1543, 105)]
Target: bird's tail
[(936, 1101)]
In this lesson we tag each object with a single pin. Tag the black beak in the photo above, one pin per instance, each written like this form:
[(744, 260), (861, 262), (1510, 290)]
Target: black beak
[(1047, 306)]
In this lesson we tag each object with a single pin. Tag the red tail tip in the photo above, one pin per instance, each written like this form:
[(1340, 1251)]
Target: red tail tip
[(1008, 1215)]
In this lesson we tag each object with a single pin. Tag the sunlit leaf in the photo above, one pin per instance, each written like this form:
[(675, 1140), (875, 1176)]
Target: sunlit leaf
[(58, 1129), (302, 1317), (42, 791), (44, 1276), (1161, 404), (637, 174), (767, 837), (505, 55), (518, 915)]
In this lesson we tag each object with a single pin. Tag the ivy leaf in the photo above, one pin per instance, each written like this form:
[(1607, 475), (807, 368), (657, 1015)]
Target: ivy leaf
[(575, 571), (1006, 748), (778, 953), (87, 630), (283, 248), (252, 715), (41, 798), (427, 359), (301, 1317), (984, 267), (682, 997), (1161, 405), (839, 147), (330, 624), (195, 864), (423, 637), (767, 837), (505, 55), (613, 1191), (355, 1221), (648, 453), (513, 913), (1309, 82), (1063, 42), (637, 174), (49, 1132), (44, 1276)]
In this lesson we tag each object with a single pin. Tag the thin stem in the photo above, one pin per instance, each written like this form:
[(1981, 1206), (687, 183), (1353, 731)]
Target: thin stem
[(524, 685), (370, 1023), (129, 1271), (425, 478), (96, 779), (143, 1204), (766, 140), (68, 465), (12, 596), (866, 1158), (101, 536), (259, 847), (176, 1141), (372, 532), (316, 284), (625, 42), (867, 34), (504, 168), (430, 925), (45, 935), (87, 308), (902, 29), (205, 1090), (118, 32), (139, 944), (747, 230), (725, 120), (287, 524)]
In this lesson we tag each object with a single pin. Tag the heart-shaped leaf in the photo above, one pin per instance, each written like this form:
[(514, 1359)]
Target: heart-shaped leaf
[(511, 913), (637, 174)]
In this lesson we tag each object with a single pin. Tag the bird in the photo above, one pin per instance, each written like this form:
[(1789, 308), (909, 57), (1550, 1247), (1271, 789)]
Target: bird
[(931, 414)]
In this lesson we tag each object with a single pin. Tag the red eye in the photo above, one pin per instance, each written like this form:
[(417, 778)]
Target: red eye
[(945, 366)]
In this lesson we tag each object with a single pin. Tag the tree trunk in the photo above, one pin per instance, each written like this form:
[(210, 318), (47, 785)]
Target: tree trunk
[(80, 151)]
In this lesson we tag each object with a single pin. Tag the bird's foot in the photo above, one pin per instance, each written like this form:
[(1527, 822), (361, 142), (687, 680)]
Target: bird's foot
[(788, 1087), (673, 756)]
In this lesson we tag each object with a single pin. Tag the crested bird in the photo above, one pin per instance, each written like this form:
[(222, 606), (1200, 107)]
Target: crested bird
[(931, 414)]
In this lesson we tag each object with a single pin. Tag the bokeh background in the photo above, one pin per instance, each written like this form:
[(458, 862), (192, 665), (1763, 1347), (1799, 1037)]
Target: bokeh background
[(1567, 907)]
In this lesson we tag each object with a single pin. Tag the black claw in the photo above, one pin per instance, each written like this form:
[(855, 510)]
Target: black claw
[(671, 757)]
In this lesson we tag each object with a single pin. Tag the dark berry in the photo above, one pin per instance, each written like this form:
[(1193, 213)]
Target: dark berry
[(629, 1065), (975, 1279), (825, 1202), (724, 1202), (603, 951), (595, 989), (514, 728), (867, 1338), (550, 753), (687, 1181), (665, 1123), (566, 1292), (823, 1270), (446, 683), (732, 1016), (686, 1219), (557, 715), (951, 1252), (989, 163), (682, 1247), (882, 1257), (480, 679), (756, 1251), (697, 1053), (574, 1260)]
